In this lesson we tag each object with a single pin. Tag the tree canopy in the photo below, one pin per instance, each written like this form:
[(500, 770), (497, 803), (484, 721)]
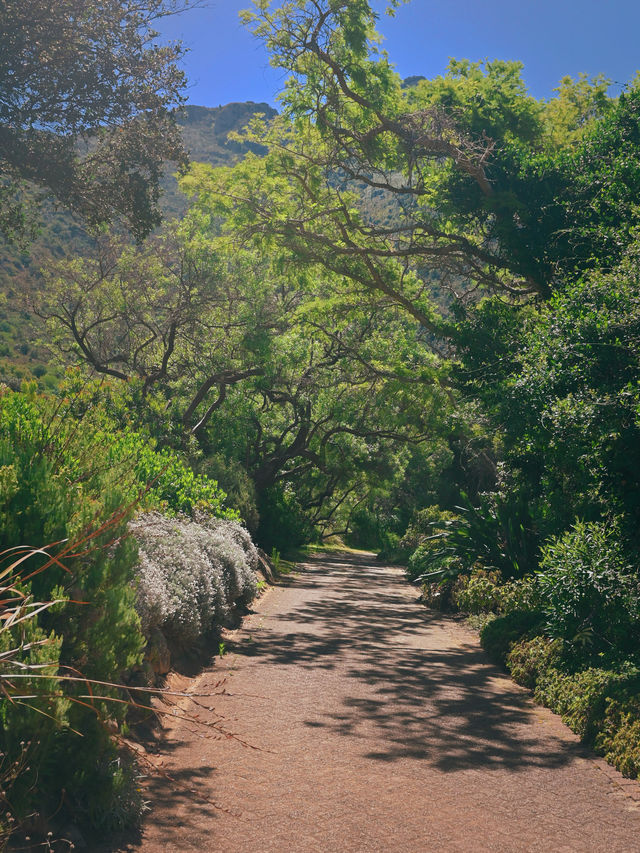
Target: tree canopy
[(85, 95)]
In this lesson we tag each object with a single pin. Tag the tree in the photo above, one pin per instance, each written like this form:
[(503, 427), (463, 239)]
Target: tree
[(85, 94), (559, 382), (467, 179), (262, 362)]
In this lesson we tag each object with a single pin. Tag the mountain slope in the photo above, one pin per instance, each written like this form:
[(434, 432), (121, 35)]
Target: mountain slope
[(205, 132)]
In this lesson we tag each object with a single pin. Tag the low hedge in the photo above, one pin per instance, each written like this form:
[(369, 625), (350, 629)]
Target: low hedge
[(602, 706), (499, 635)]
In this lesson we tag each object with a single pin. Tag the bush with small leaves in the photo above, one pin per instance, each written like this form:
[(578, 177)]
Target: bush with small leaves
[(528, 658), (591, 597), (191, 574), (479, 593), (499, 635), (581, 697), (619, 737), (521, 594)]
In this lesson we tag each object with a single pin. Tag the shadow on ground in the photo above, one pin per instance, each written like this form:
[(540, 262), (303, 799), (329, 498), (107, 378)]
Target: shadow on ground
[(431, 698)]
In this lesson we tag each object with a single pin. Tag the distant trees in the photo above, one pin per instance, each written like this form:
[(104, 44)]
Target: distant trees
[(259, 361), (84, 100)]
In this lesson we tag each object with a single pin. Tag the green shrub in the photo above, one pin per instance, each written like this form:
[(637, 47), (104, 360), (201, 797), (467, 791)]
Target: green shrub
[(619, 737), (499, 635), (521, 594), (238, 485), (75, 481), (602, 706), (283, 523), (479, 593), (591, 598), (581, 697), (424, 524), (528, 658), (426, 561), (438, 595)]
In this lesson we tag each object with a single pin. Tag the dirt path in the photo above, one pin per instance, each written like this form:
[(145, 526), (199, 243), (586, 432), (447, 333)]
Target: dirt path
[(381, 727)]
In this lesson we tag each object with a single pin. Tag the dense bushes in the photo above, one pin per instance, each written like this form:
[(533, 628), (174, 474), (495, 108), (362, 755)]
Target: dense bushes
[(192, 574), (591, 597), (571, 634), (499, 635), (556, 388), (601, 705), (71, 481)]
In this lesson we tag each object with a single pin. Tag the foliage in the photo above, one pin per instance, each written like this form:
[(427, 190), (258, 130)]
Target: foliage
[(54, 491), (302, 395), (237, 484), (527, 659), (493, 535), (499, 635), (600, 705), (580, 698), (480, 594), (67, 476), (424, 523), (591, 598), (619, 736), (283, 523), (558, 385), (96, 146), (521, 594), (438, 595), (192, 574)]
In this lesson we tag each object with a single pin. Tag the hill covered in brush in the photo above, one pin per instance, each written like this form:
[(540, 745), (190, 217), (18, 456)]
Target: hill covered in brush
[(205, 132)]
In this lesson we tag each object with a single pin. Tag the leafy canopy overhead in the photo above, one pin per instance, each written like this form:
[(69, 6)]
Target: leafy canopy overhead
[(474, 180)]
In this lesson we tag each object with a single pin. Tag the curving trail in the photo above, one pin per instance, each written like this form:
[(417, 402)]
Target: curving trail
[(381, 727)]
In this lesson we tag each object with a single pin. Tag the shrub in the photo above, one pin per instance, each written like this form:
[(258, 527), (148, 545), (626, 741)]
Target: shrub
[(426, 560), (438, 595), (521, 594), (581, 697), (528, 658), (600, 705), (482, 593), (499, 635), (283, 523), (479, 593), (236, 482), (425, 523), (591, 599), (191, 574), (619, 737), (75, 480)]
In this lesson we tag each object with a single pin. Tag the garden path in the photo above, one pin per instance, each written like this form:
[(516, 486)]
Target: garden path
[(374, 726)]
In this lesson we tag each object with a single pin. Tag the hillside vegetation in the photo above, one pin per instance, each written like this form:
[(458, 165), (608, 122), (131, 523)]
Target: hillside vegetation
[(403, 313), (204, 132)]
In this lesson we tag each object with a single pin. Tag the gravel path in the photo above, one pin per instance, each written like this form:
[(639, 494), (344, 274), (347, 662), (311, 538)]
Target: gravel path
[(380, 727)]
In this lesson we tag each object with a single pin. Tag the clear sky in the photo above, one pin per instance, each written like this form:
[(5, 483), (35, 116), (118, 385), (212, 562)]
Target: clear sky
[(551, 37)]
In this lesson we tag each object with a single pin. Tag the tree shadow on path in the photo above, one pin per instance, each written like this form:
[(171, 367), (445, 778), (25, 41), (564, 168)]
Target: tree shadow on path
[(422, 689)]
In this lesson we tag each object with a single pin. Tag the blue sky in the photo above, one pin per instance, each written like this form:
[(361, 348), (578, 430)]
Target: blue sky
[(226, 63)]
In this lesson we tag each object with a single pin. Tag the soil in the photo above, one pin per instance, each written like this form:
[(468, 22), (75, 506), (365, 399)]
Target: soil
[(357, 721)]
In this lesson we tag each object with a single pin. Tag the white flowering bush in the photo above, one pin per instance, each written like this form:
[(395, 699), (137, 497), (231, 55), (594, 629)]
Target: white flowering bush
[(191, 574)]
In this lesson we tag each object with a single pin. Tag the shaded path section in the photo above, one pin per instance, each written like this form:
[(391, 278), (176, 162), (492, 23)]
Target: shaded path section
[(381, 727)]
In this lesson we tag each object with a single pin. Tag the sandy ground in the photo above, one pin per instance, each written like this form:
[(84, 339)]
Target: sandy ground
[(363, 722)]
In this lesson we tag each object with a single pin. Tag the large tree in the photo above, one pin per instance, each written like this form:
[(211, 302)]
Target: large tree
[(259, 359), (466, 174), (85, 95)]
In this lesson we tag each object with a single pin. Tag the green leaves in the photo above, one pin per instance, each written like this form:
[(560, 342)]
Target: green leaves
[(591, 597), (77, 71)]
